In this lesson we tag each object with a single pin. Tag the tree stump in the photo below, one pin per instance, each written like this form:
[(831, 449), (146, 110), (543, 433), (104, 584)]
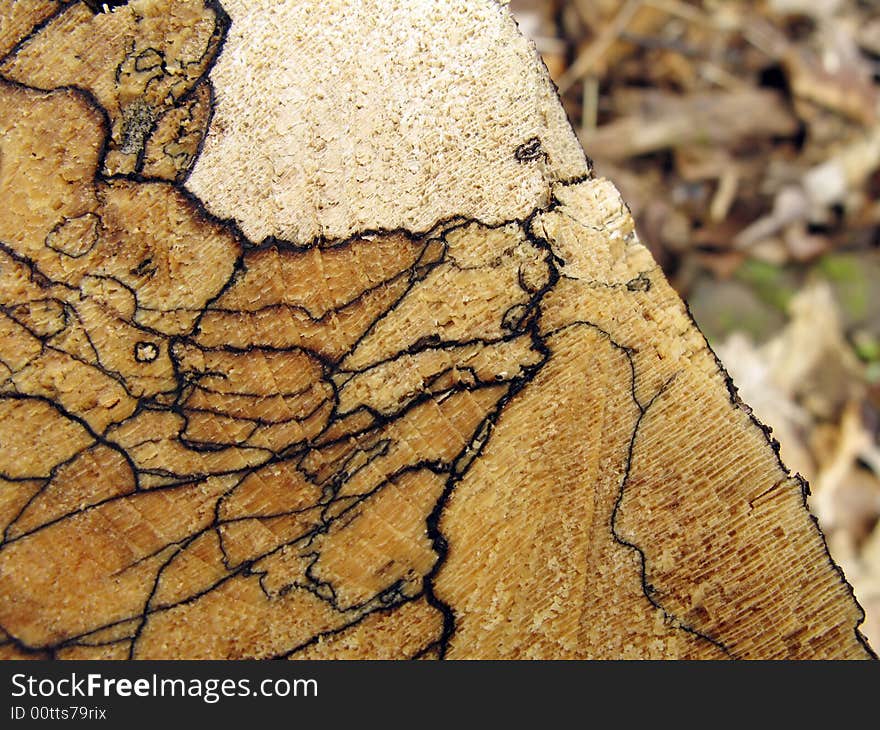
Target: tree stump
[(320, 340)]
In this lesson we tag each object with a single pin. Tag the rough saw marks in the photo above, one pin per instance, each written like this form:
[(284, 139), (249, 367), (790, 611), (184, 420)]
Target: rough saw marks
[(372, 114)]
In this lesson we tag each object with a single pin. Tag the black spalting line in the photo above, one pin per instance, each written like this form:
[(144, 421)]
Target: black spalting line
[(97, 437), (642, 408), (648, 590), (478, 444), (62, 6), (211, 52)]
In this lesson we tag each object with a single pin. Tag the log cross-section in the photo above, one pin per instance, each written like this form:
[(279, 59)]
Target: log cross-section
[(319, 339)]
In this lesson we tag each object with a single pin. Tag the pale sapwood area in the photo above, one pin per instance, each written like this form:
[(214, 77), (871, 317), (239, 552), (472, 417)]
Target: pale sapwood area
[(319, 340)]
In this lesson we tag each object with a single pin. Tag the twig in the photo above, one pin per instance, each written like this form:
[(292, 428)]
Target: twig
[(587, 60), (590, 104), (683, 11)]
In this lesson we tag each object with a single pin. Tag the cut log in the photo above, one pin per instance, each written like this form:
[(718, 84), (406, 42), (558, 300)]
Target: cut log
[(319, 339)]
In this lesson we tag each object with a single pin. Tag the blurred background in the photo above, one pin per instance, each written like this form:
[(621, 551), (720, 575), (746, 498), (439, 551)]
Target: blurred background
[(745, 137)]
